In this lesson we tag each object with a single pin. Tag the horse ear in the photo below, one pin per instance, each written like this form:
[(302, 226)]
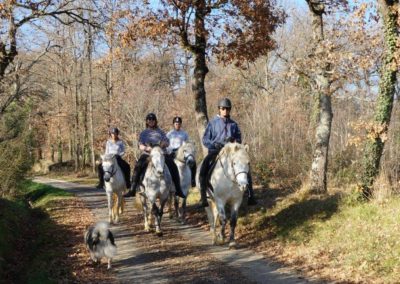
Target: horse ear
[(102, 157), (246, 147)]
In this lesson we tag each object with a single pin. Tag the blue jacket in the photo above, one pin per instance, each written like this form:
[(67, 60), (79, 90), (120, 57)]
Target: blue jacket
[(218, 129)]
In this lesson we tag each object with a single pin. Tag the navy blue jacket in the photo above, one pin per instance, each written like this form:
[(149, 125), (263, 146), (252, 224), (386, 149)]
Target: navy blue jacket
[(218, 129)]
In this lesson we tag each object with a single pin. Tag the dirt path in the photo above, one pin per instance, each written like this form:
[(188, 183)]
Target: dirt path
[(183, 254)]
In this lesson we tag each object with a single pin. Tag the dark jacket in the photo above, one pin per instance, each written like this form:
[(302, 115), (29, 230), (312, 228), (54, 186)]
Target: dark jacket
[(218, 130)]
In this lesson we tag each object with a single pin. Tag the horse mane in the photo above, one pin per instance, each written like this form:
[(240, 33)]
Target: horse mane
[(107, 157), (232, 148)]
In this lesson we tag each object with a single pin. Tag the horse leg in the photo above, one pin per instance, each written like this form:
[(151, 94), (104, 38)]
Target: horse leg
[(176, 207), (118, 197), (212, 216), (110, 207), (183, 219), (222, 220), (234, 216), (170, 200), (156, 214), (145, 213), (122, 207)]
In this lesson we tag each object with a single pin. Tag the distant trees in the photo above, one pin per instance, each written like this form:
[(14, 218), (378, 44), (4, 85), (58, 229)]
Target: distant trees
[(13, 16)]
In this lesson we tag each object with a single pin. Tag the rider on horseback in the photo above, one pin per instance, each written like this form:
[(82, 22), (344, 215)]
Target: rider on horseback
[(117, 147), (150, 136), (220, 130), (176, 137)]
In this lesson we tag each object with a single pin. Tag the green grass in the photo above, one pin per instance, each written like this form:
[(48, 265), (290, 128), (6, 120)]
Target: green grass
[(42, 195), (16, 217), (359, 240)]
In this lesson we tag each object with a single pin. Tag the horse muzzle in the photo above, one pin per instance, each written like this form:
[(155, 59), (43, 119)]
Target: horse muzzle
[(107, 178), (243, 187), (190, 162)]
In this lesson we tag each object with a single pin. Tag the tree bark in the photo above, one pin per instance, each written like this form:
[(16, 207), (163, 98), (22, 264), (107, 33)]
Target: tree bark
[(319, 166), (375, 144), (200, 70), (91, 128)]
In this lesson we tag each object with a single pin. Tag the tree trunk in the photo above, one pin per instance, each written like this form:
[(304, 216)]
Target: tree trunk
[(387, 85), (319, 164), (91, 128), (200, 70)]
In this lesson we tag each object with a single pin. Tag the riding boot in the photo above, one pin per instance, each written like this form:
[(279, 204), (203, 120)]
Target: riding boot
[(203, 194), (132, 191), (251, 200), (135, 180), (193, 171), (173, 170)]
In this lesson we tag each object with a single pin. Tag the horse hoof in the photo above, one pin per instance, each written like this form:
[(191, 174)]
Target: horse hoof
[(232, 245), (159, 233)]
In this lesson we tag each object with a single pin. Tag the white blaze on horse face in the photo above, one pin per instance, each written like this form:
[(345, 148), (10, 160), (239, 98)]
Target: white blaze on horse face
[(241, 170), (108, 169)]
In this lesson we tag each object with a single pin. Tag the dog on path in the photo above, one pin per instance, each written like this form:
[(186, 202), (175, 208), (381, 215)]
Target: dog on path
[(100, 242)]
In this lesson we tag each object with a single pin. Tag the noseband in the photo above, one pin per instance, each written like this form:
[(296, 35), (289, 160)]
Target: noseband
[(112, 172), (233, 168)]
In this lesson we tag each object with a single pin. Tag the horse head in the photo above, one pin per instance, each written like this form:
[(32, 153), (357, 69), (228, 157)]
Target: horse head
[(239, 162), (108, 164), (157, 160), (186, 153)]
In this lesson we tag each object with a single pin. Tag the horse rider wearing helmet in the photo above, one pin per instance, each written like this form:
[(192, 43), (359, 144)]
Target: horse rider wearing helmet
[(220, 130), (149, 137), (176, 138), (115, 146)]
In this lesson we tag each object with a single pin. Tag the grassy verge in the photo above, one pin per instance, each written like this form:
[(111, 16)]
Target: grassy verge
[(26, 247), (332, 237)]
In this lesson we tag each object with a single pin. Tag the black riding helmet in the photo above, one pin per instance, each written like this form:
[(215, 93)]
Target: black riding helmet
[(225, 102), (151, 116), (177, 119), (114, 130)]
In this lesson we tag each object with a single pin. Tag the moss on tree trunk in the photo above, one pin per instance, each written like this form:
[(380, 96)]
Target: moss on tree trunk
[(377, 133)]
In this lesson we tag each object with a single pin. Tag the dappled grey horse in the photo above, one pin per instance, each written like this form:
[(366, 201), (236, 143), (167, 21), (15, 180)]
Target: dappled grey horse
[(229, 181), (114, 183), (157, 184)]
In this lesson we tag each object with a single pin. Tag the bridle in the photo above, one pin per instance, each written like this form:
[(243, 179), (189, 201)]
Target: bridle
[(112, 172), (185, 158), (233, 169)]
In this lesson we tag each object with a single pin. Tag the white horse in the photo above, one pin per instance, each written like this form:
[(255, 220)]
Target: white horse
[(229, 181), (114, 182), (185, 158), (157, 184)]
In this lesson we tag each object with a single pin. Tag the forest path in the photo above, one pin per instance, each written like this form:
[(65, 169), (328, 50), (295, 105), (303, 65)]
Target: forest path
[(183, 254)]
